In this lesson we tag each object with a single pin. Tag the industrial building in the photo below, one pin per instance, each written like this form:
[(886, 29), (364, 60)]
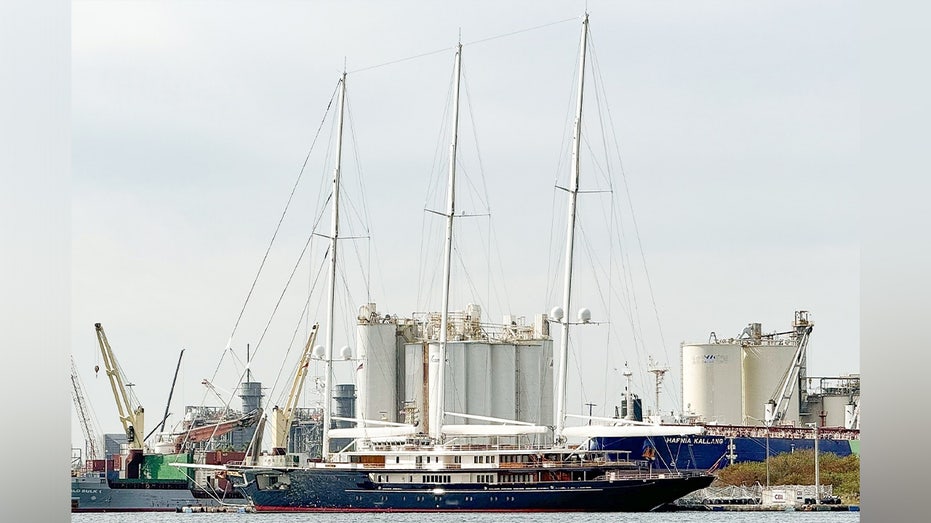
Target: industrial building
[(758, 377)]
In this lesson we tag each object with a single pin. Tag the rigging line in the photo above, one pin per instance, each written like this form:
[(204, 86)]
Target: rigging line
[(281, 297), (470, 283), (428, 272), (281, 219), (392, 62), (555, 258), (474, 42), (297, 326), (364, 217), (484, 180), (632, 298), (606, 172), (483, 40), (287, 284), (639, 240)]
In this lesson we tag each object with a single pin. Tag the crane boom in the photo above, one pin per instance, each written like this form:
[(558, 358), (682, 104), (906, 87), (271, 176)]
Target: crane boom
[(88, 423), (132, 418), (780, 401), (283, 417)]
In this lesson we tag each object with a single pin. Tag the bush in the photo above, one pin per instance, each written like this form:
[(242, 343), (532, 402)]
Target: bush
[(798, 468)]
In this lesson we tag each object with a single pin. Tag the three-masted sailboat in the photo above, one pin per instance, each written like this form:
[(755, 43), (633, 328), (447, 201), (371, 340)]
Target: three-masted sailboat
[(461, 467)]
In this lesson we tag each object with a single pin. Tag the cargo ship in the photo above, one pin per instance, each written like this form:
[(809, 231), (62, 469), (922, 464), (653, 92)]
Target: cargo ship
[(101, 486), (138, 477), (752, 396), (723, 445)]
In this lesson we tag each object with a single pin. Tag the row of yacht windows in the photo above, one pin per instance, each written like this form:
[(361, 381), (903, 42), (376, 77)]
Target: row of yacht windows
[(436, 478), (441, 478), (458, 459), (517, 478)]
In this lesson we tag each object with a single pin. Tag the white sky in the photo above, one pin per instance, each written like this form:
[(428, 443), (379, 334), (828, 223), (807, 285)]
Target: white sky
[(738, 131)]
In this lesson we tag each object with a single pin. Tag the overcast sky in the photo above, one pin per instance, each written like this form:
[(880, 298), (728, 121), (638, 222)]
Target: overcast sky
[(737, 125)]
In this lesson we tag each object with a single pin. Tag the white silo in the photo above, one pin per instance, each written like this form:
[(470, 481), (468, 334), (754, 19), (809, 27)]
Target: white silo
[(765, 366), (711, 380), (376, 366), (535, 382)]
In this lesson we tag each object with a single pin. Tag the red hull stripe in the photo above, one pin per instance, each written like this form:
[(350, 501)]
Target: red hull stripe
[(265, 508)]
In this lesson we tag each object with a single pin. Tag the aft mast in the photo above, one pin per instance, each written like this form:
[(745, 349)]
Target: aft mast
[(438, 388), (334, 235), (570, 241)]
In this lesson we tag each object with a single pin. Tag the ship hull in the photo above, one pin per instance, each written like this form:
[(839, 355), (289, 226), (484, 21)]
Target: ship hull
[(321, 490), (710, 452), (97, 494)]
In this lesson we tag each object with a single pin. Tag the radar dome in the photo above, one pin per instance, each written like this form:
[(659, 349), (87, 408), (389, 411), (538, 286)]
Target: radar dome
[(557, 313)]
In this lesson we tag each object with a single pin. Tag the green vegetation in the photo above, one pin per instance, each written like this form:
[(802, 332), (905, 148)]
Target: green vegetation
[(798, 468)]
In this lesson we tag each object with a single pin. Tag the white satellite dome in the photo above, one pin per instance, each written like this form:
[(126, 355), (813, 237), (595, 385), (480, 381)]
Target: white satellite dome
[(585, 315), (557, 313)]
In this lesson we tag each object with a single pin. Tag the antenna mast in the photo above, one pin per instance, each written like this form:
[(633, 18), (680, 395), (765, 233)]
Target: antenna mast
[(659, 372)]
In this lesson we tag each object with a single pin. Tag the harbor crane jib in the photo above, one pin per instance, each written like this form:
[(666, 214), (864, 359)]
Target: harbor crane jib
[(779, 403), (132, 417), (283, 417), (88, 423)]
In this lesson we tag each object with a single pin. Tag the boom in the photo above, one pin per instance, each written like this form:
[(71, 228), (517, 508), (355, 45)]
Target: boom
[(133, 419), (283, 417), (780, 401), (88, 423)]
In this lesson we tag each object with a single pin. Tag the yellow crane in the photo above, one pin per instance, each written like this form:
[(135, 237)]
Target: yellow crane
[(132, 418), (282, 417)]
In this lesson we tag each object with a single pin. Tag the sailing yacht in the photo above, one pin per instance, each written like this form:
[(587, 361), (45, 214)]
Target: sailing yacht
[(436, 466)]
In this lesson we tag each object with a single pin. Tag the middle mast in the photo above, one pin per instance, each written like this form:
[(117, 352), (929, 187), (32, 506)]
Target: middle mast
[(437, 368), (334, 236)]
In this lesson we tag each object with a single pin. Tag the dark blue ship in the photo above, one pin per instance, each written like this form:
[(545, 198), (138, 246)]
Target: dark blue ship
[(473, 480), (723, 445)]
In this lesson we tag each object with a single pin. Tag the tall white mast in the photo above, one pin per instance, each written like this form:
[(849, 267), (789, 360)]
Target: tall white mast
[(438, 387), (570, 240), (334, 235)]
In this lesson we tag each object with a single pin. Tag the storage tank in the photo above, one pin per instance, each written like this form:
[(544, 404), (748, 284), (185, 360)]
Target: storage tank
[(711, 381), (251, 396), (345, 399), (764, 370), (535, 382), (376, 370), (834, 408), (481, 379)]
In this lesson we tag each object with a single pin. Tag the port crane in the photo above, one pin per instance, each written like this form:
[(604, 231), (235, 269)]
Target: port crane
[(132, 418), (778, 405), (88, 422), (282, 417)]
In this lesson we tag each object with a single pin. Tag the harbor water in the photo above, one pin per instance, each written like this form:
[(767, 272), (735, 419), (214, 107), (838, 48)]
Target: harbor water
[(651, 517)]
